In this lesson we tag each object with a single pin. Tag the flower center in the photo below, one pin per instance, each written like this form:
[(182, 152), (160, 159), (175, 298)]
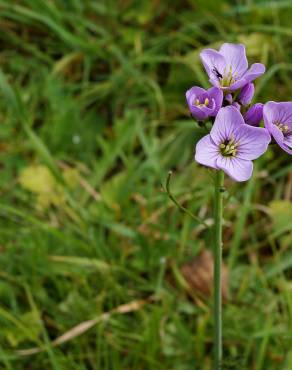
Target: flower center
[(228, 148), (282, 127), (197, 103), (227, 79)]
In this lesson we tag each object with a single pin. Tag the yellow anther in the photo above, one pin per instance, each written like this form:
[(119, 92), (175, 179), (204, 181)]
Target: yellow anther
[(228, 147), (197, 102), (206, 102), (282, 127)]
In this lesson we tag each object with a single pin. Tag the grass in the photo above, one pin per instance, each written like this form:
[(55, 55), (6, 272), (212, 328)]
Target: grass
[(93, 117)]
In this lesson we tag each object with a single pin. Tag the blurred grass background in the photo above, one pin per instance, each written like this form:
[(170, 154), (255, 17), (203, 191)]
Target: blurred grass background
[(93, 116)]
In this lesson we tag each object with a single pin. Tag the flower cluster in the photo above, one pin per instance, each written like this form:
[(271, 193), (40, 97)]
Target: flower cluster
[(236, 137)]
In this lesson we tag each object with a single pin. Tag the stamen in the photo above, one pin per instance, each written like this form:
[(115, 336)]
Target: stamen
[(282, 127), (229, 147), (228, 78), (198, 104)]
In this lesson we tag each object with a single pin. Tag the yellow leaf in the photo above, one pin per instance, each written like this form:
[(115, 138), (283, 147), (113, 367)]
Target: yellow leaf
[(37, 179)]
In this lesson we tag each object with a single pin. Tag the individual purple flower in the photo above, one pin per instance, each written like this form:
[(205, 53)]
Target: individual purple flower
[(232, 145), (246, 94), (204, 103), (254, 115), (278, 121), (228, 68)]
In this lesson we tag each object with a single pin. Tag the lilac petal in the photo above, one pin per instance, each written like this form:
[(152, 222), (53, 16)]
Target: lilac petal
[(208, 109), (246, 94), (288, 140), (216, 94), (198, 113), (212, 59), (212, 106), (206, 152), (270, 112), (193, 92), (226, 122), (235, 58), (255, 71), (238, 169), (237, 85), (276, 133), (253, 141), (203, 112), (254, 115), (279, 137)]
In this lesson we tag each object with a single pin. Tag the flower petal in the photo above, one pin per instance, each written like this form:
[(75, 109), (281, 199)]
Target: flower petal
[(246, 94), (236, 168), (237, 84), (254, 115), (198, 113), (193, 92), (235, 58), (270, 110), (212, 60), (280, 139), (226, 122), (288, 140), (255, 71), (216, 94), (206, 152), (253, 141)]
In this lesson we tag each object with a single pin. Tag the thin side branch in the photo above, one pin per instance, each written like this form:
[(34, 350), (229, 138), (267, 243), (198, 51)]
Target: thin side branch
[(179, 206)]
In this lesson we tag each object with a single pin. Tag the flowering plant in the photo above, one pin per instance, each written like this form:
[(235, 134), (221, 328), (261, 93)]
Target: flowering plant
[(235, 138)]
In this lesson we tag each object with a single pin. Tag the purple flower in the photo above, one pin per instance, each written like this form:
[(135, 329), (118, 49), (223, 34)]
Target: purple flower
[(254, 115), (232, 145), (204, 103), (228, 68), (278, 121), (246, 94)]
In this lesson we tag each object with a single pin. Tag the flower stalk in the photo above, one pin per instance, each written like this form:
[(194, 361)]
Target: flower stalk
[(218, 216), (235, 139)]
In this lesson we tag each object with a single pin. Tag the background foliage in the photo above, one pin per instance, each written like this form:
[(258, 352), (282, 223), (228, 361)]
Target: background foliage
[(93, 116)]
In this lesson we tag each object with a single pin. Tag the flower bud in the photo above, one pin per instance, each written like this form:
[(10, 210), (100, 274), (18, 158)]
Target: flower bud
[(246, 94), (236, 105), (229, 98), (254, 115)]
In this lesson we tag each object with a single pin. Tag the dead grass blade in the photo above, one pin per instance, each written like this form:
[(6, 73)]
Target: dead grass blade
[(86, 325)]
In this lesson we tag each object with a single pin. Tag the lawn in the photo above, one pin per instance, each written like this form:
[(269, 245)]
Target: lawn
[(100, 270)]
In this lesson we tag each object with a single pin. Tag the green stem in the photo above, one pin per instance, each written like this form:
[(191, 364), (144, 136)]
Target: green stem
[(218, 213)]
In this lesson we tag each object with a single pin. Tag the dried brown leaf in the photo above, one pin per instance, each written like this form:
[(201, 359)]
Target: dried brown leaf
[(198, 273)]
